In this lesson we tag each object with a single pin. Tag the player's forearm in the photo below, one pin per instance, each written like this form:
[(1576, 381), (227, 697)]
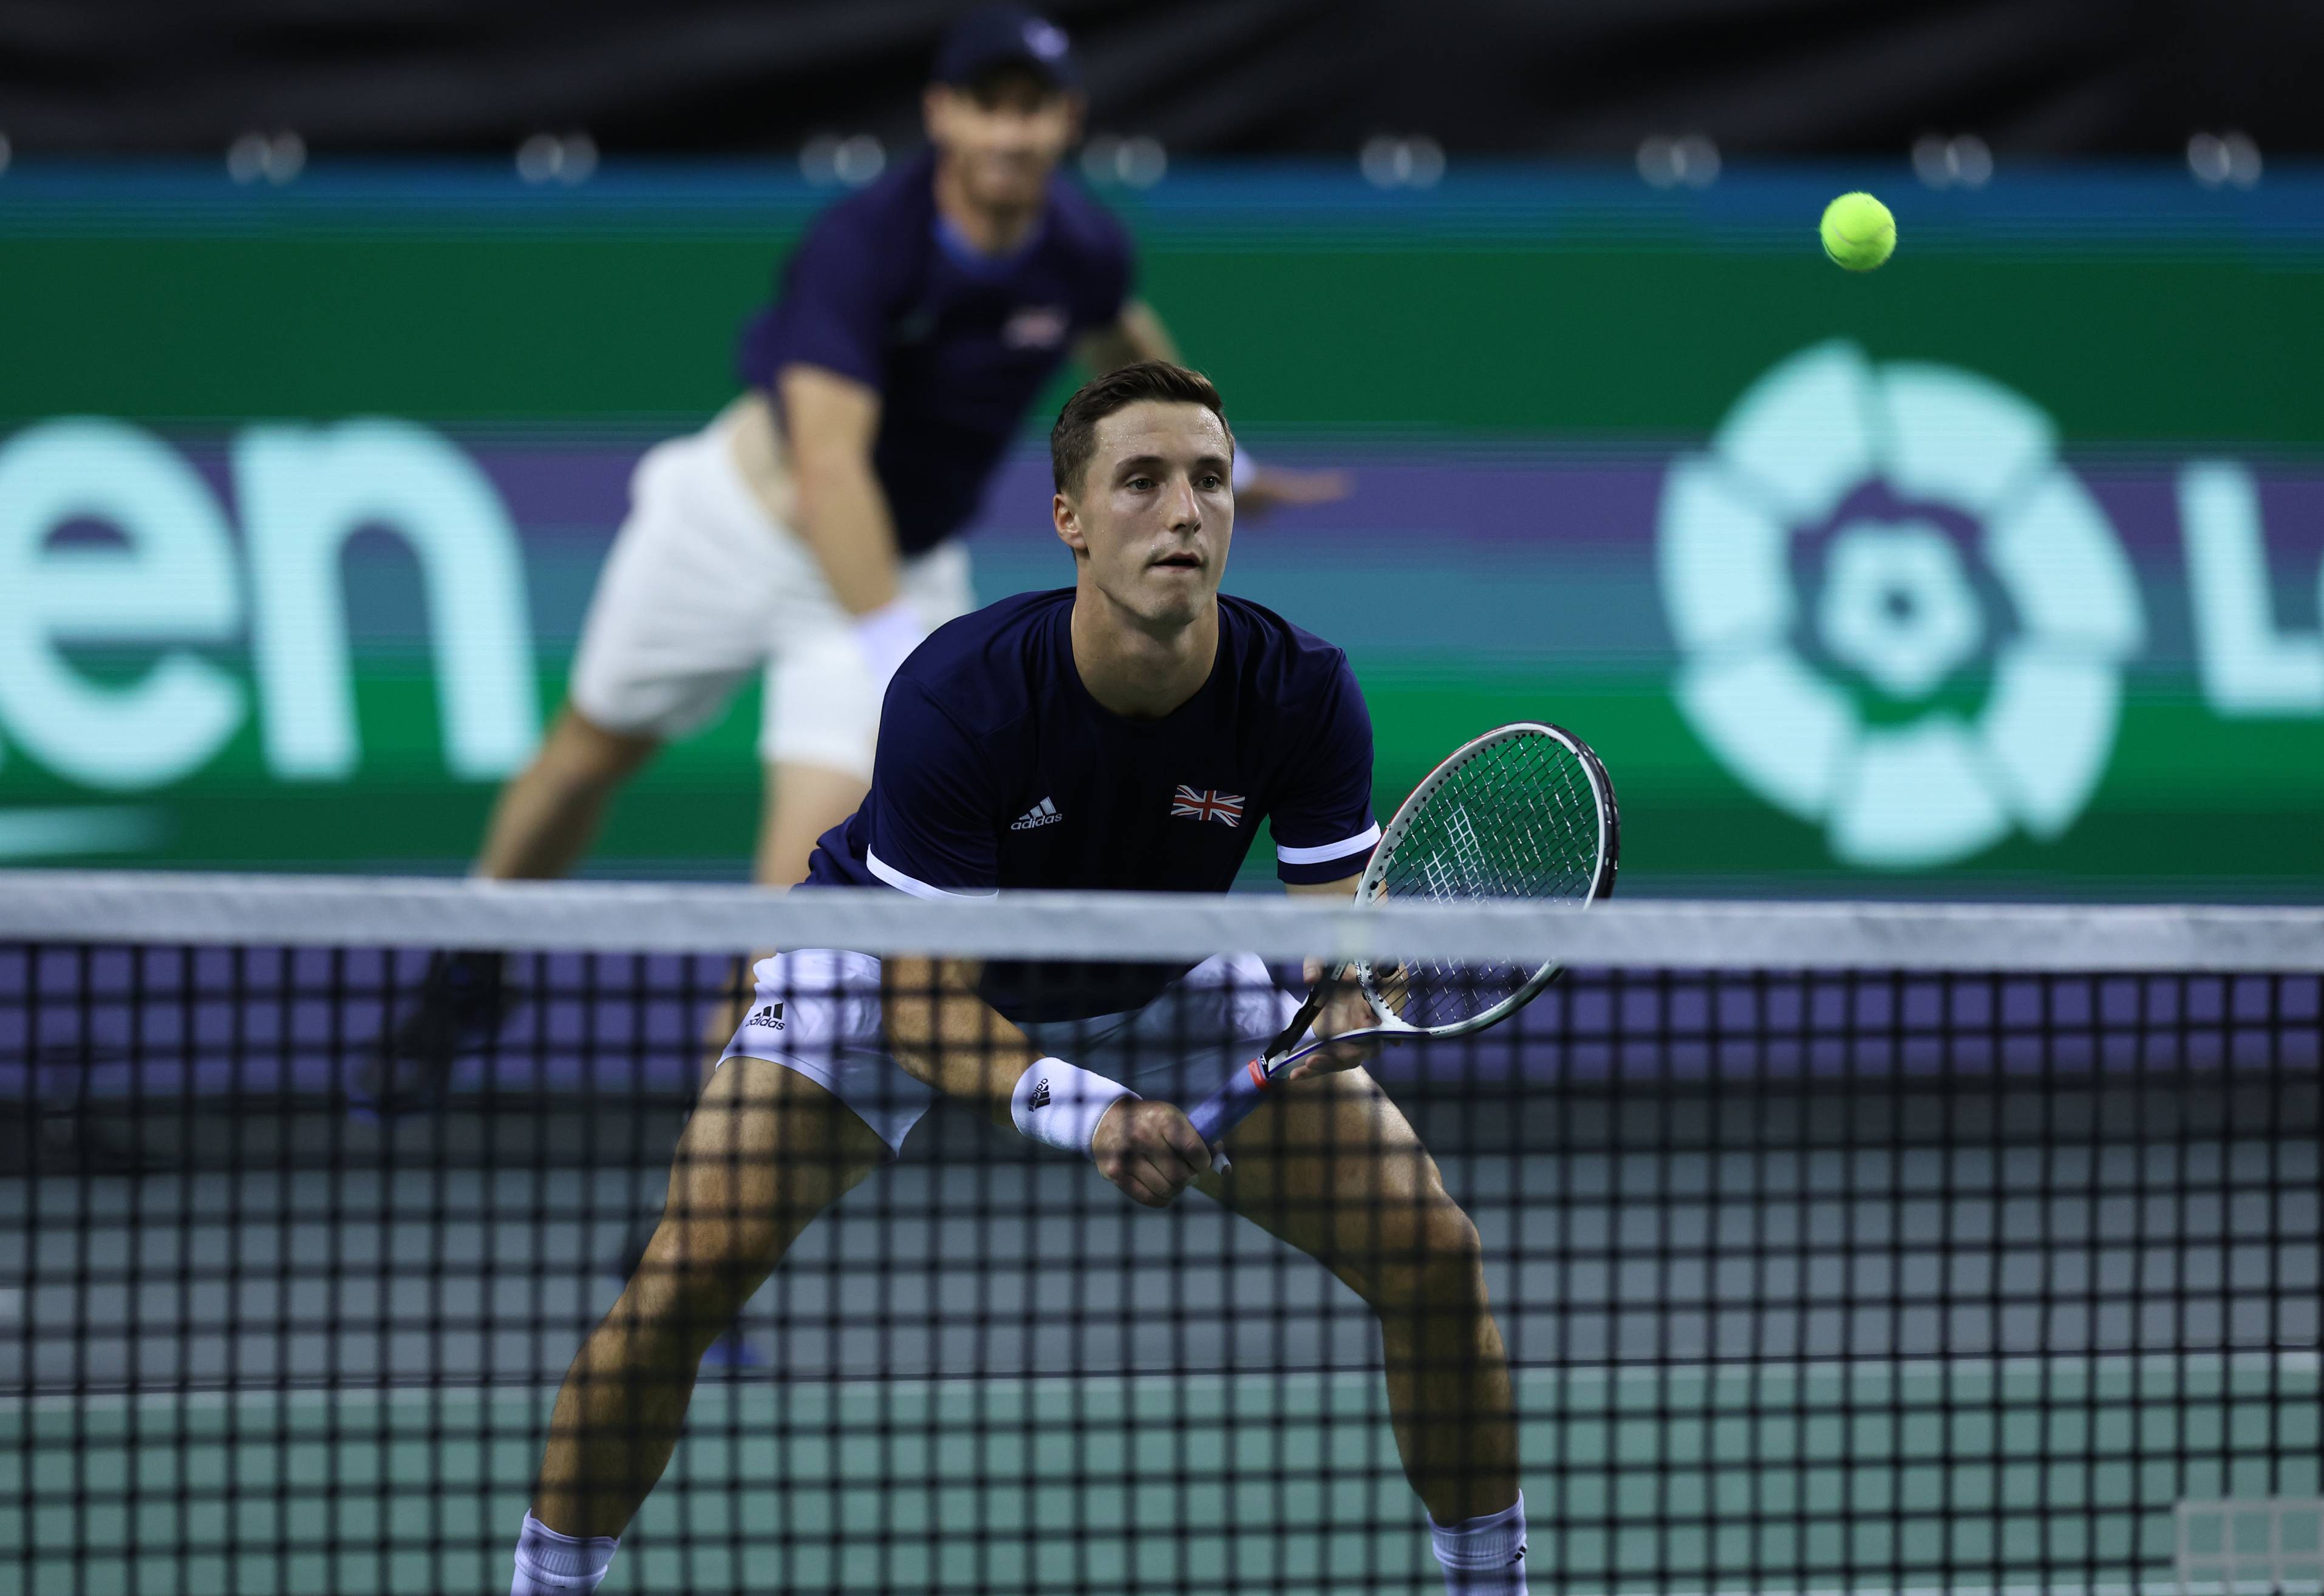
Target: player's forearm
[(947, 1037), (844, 518), (831, 424)]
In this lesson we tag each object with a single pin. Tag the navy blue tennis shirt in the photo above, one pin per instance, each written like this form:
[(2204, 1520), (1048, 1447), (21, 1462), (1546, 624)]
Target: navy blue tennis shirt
[(956, 343), (996, 768)]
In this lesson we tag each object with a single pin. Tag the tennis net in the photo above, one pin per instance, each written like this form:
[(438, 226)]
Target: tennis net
[(1844, 1248)]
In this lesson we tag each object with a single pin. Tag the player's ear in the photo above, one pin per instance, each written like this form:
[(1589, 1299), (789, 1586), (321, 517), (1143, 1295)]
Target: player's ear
[(935, 102), (1068, 523)]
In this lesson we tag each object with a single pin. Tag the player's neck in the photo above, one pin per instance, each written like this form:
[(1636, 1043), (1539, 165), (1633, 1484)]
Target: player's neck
[(990, 230), (1134, 668)]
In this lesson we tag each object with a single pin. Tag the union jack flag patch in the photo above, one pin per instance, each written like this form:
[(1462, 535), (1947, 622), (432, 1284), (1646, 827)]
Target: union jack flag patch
[(1207, 805)]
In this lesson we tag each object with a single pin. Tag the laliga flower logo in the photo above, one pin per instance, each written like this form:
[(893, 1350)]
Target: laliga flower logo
[(1898, 613)]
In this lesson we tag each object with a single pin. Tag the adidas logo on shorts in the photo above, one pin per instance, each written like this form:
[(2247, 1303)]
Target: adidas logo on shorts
[(1044, 813), (1040, 1097), (769, 1016)]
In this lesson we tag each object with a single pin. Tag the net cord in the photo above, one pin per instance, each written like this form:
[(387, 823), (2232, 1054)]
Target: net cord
[(158, 907)]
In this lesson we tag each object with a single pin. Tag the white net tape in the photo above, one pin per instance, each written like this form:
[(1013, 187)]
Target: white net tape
[(591, 916)]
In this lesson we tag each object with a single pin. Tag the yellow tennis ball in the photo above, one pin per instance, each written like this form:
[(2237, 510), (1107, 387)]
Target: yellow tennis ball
[(1857, 230)]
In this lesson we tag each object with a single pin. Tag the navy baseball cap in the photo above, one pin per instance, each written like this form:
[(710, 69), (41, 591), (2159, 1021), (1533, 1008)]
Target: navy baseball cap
[(994, 36)]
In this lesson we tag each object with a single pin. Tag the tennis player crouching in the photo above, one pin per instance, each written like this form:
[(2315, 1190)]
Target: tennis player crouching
[(1125, 733)]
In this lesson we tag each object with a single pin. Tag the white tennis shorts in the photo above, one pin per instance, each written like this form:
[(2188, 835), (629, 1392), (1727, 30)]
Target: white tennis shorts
[(702, 587), (818, 1012)]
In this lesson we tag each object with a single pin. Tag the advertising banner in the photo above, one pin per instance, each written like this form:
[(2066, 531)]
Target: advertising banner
[(1996, 571)]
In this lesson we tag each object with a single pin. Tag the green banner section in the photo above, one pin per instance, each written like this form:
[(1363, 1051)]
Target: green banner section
[(1996, 570), (1525, 305)]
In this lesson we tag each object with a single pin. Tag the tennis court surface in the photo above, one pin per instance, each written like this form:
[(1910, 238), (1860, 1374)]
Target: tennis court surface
[(1996, 1272)]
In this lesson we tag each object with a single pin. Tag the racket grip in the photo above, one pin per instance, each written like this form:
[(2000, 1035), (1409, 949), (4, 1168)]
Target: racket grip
[(1231, 1105)]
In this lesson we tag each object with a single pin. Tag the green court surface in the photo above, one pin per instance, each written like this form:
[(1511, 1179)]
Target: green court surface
[(2021, 1474)]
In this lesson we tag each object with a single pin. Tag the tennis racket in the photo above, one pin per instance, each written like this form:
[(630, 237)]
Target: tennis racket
[(1524, 812)]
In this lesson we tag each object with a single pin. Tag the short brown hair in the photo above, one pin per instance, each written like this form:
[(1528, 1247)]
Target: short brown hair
[(1074, 439)]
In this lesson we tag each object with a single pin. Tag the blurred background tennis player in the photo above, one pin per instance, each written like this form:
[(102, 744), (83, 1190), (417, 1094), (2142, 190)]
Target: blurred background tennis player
[(810, 530)]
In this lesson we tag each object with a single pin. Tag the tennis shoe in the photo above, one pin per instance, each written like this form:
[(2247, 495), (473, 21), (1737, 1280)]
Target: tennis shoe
[(463, 1000)]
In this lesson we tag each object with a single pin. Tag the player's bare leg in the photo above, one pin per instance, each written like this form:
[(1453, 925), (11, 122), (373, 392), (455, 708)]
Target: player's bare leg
[(1334, 1168), (766, 1150), (546, 817), (798, 803), (802, 802)]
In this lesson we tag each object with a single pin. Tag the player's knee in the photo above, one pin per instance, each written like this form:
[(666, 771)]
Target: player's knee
[(721, 1237), (693, 1279), (1452, 1267), (580, 755), (1438, 1261), (710, 1247)]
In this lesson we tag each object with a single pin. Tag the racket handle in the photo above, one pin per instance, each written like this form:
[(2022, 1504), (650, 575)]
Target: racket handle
[(1231, 1105)]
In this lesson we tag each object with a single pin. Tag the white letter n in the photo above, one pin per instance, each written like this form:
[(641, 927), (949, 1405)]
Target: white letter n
[(304, 491)]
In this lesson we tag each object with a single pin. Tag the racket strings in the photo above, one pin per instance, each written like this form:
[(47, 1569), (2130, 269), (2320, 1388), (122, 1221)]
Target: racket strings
[(1521, 819)]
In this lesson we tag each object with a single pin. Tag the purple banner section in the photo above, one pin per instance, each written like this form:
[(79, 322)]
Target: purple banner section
[(1463, 495), (1566, 495), (127, 1027), (121, 1024), (1436, 530), (1554, 542)]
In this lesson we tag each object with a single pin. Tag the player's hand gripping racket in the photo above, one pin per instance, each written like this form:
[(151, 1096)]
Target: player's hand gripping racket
[(1524, 812)]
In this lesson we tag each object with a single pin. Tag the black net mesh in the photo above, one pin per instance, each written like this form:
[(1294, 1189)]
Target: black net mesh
[(1857, 1281)]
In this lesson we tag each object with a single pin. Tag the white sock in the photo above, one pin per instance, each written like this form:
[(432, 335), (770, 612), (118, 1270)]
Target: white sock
[(551, 1564), (1483, 1556)]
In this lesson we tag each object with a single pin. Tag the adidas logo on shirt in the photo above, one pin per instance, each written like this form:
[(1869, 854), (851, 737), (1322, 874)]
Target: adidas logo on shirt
[(1044, 813), (769, 1016)]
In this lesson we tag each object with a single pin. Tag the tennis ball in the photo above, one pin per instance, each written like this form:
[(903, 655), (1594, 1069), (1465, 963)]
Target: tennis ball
[(1857, 230)]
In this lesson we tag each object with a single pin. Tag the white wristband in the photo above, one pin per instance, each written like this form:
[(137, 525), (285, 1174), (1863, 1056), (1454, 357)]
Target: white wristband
[(887, 636), (1058, 1105)]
